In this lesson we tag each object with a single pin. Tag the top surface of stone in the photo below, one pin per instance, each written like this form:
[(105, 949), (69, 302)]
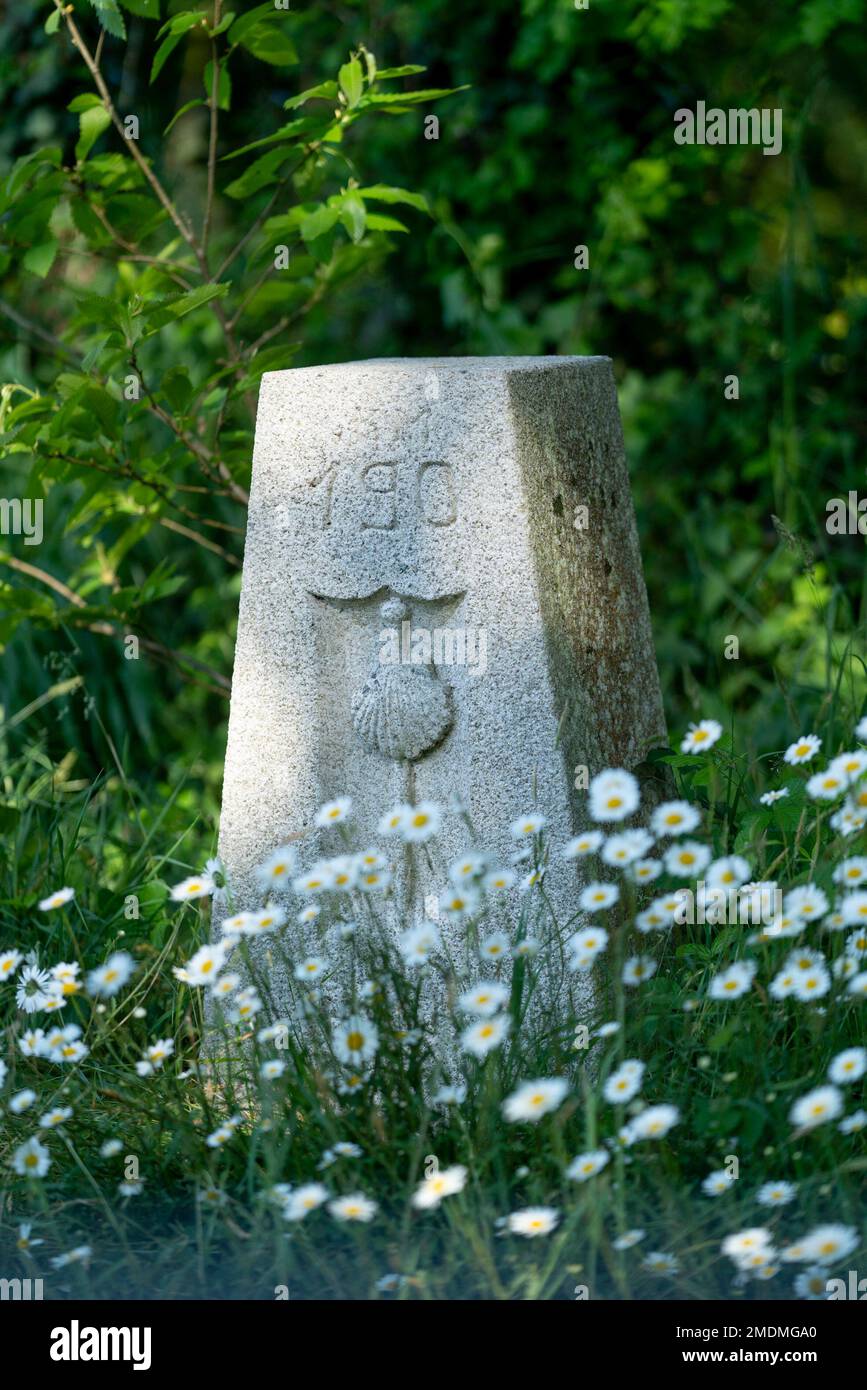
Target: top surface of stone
[(444, 364)]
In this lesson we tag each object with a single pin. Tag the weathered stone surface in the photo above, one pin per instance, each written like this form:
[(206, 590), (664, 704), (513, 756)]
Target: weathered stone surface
[(445, 489)]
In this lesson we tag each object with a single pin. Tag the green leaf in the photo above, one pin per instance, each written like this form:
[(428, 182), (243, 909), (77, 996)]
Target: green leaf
[(378, 222), (177, 27), (246, 23), (309, 127), (351, 79), (259, 174), (270, 45), (382, 193), (84, 102), (408, 70), (188, 106), (224, 84), (352, 215), (410, 98), (318, 223), (40, 259), (52, 23), (223, 24), (110, 17), (180, 23), (91, 124), (176, 307), (147, 9), (326, 90)]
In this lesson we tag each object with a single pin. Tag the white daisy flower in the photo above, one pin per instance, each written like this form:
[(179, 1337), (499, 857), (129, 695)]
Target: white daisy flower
[(858, 985), (686, 859), (655, 1122), (444, 1183), (613, 795), (637, 969), (624, 1083), (816, 1107), (699, 737), (276, 871), (533, 1099), (303, 1200), (826, 786), (533, 1221), (660, 1262), (587, 1165), (465, 869), (225, 985), (197, 886), (333, 812), (802, 750), (715, 1184), (9, 963), (311, 968), (827, 1244), (768, 798), (582, 845), (732, 982), (776, 1194), (849, 1065), (850, 766), (460, 903), (450, 1095), (623, 849), (674, 818), (755, 1240), (495, 946), (812, 1284), (355, 1207), (356, 1041), (107, 980), (272, 1069), (419, 943), (598, 896), (645, 870), (206, 964), (31, 1159), (499, 880), (530, 824), (588, 943), (854, 1123), (808, 903), (374, 880), (317, 879), (33, 990), (484, 999), (628, 1239), (851, 872), (58, 899), (21, 1101), (482, 1037), (730, 872), (393, 821), (421, 823), (811, 984)]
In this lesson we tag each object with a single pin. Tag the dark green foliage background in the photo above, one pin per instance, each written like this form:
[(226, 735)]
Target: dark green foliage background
[(705, 261)]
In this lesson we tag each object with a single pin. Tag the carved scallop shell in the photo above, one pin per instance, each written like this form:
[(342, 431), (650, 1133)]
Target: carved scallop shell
[(401, 712)]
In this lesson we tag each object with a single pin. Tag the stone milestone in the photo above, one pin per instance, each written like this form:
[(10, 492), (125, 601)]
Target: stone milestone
[(442, 598)]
